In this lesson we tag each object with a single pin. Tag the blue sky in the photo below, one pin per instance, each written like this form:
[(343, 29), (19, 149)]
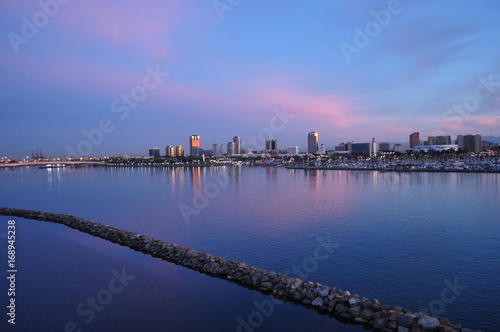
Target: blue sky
[(350, 70)]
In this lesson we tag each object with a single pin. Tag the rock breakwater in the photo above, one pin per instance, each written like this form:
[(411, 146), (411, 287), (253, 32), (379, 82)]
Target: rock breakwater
[(342, 305)]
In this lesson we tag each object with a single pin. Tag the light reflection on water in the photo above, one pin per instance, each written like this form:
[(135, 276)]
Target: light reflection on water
[(400, 235)]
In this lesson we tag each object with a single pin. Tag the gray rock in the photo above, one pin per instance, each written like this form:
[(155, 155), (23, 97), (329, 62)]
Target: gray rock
[(379, 323), (402, 329), (256, 278), (428, 323), (407, 320), (317, 302), (296, 283), (310, 296), (392, 325), (266, 286), (366, 314), (360, 320), (322, 291), (354, 301), (355, 311), (340, 308)]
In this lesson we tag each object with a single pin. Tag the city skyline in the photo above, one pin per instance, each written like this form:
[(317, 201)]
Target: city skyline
[(95, 79)]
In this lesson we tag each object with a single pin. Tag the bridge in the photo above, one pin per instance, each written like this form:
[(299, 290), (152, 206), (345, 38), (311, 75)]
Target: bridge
[(46, 163)]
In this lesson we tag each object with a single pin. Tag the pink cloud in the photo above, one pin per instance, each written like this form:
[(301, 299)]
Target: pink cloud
[(493, 121), (148, 28)]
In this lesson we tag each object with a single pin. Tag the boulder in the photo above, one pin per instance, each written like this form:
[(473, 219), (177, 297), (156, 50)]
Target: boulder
[(366, 314), (318, 302), (407, 320), (380, 323), (428, 323)]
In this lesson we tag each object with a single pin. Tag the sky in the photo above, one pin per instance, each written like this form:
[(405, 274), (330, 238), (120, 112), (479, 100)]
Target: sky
[(97, 78)]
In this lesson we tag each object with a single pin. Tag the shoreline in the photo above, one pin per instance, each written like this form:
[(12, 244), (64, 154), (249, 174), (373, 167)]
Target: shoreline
[(393, 170), (341, 305)]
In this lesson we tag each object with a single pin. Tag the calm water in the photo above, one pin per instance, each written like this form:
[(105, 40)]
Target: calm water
[(403, 238)]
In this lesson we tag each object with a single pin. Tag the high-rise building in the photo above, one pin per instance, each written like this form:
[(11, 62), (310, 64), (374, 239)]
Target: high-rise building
[(293, 150), (194, 142), (237, 145), (439, 140), (272, 144), (154, 152), (230, 148), (469, 143), (170, 151), (218, 150), (179, 151), (414, 139), (312, 142)]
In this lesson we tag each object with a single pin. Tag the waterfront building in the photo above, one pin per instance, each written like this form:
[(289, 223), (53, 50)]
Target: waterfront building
[(401, 148), (361, 148), (470, 143), (230, 148), (218, 150), (197, 152), (154, 152), (271, 144), (194, 142), (438, 140), (170, 151), (384, 146), (321, 149), (486, 145), (293, 150), (341, 147), (237, 145), (312, 142), (439, 147), (414, 139), (179, 151)]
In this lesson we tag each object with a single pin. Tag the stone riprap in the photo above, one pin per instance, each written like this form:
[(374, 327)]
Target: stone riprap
[(342, 305)]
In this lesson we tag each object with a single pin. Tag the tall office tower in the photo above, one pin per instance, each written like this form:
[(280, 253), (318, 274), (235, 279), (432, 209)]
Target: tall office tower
[(230, 148), (373, 148), (237, 145), (470, 143), (312, 142), (439, 140), (272, 144), (218, 150), (414, 139), (154, 152), (194, 142), (179, 151), (170, 151)]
